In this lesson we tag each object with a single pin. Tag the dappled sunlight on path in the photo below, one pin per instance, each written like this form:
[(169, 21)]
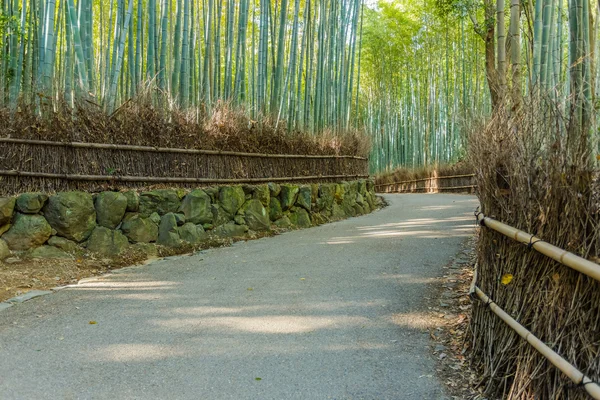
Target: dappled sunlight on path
[(309, 318)]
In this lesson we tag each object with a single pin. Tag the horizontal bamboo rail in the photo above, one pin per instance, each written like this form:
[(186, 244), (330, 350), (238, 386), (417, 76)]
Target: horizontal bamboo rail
[(564, 257), (155, 179), (426, 179), (573, 373), (106, 146)]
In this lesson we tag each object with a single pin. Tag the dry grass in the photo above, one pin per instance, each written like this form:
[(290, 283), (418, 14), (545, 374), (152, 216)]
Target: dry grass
[(138, 122), (533, 175)]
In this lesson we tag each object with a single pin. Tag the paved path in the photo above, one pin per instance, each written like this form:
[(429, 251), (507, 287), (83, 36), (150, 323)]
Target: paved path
[(334, 312)]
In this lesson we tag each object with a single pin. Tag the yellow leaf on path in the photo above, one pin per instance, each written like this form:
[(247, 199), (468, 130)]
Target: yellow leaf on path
[(93, 322), (598, 157), (506, 279), (250, 288)]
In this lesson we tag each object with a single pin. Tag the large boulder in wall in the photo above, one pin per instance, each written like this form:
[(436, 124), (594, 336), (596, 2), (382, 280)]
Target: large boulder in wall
[(255, 215), (161, 201), (110, 209), (288, 196), (168, 231), (304, 197), (107, 242), (27, 231), (4, 250), (31, 203), (7, 207), (139, 229), (231, 198), (196, 206), (71, 214)]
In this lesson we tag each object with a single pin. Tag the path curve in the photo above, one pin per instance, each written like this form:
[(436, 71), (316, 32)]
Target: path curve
[(333, 312)]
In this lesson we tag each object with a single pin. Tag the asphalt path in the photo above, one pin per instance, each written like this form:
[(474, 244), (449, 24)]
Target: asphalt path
[(332, 312)]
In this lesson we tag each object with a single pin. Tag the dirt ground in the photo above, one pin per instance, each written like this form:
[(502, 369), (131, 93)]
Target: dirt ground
[(19, 276), (452, 310)]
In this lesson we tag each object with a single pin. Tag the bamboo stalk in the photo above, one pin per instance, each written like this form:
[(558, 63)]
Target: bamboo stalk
[(564, 257), (116, 178), (573, 373), (107, 146)]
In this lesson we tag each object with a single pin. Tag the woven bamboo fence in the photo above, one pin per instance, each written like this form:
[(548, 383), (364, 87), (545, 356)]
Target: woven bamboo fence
[(464, 183), (45, 166)]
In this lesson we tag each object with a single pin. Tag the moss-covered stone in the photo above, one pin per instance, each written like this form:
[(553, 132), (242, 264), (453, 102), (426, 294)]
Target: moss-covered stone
[(255, 215), (196, 206), (72, 214), (318, 219), (133, 200), (168, 232), (360, 200), (4, 250), (191, 233), (275, 211), (239, 219), (314, 192), (231, 230), (213, 192), (139, 229), (339, 193), (300, 217), (180, 218), (4, 229), (31, 203), (304, 197), (326, 197), (362, 187), (263, 194), (49, 252), (107, 242), (7, 208), (283, 222), (27, 231), (110, 209), (288, 196), (337, 212), (161, 201), (231, 198), (154, 217), (220, 216), (63, 244), (274, 189), (370, 185)]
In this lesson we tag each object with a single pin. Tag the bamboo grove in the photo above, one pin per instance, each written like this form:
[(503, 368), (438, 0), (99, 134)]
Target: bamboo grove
[(431, 67), (295, 61)]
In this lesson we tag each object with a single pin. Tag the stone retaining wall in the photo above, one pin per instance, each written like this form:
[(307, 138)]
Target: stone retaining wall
[(70, 223)]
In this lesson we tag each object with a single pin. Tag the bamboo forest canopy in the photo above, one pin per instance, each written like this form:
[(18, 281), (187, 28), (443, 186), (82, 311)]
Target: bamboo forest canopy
[(410, 74)]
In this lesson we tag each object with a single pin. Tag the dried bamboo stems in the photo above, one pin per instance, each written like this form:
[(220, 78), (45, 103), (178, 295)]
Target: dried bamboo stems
[(107, 146), (564, 257), (573, 373)]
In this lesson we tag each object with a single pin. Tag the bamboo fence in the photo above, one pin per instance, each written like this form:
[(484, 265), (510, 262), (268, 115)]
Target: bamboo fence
[(46, 166), (433, 184), (564, 257)]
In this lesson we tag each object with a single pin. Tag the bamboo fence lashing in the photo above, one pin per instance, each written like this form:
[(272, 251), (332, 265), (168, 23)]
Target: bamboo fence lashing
[(106, 146), (568, 369), (564, 257)]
